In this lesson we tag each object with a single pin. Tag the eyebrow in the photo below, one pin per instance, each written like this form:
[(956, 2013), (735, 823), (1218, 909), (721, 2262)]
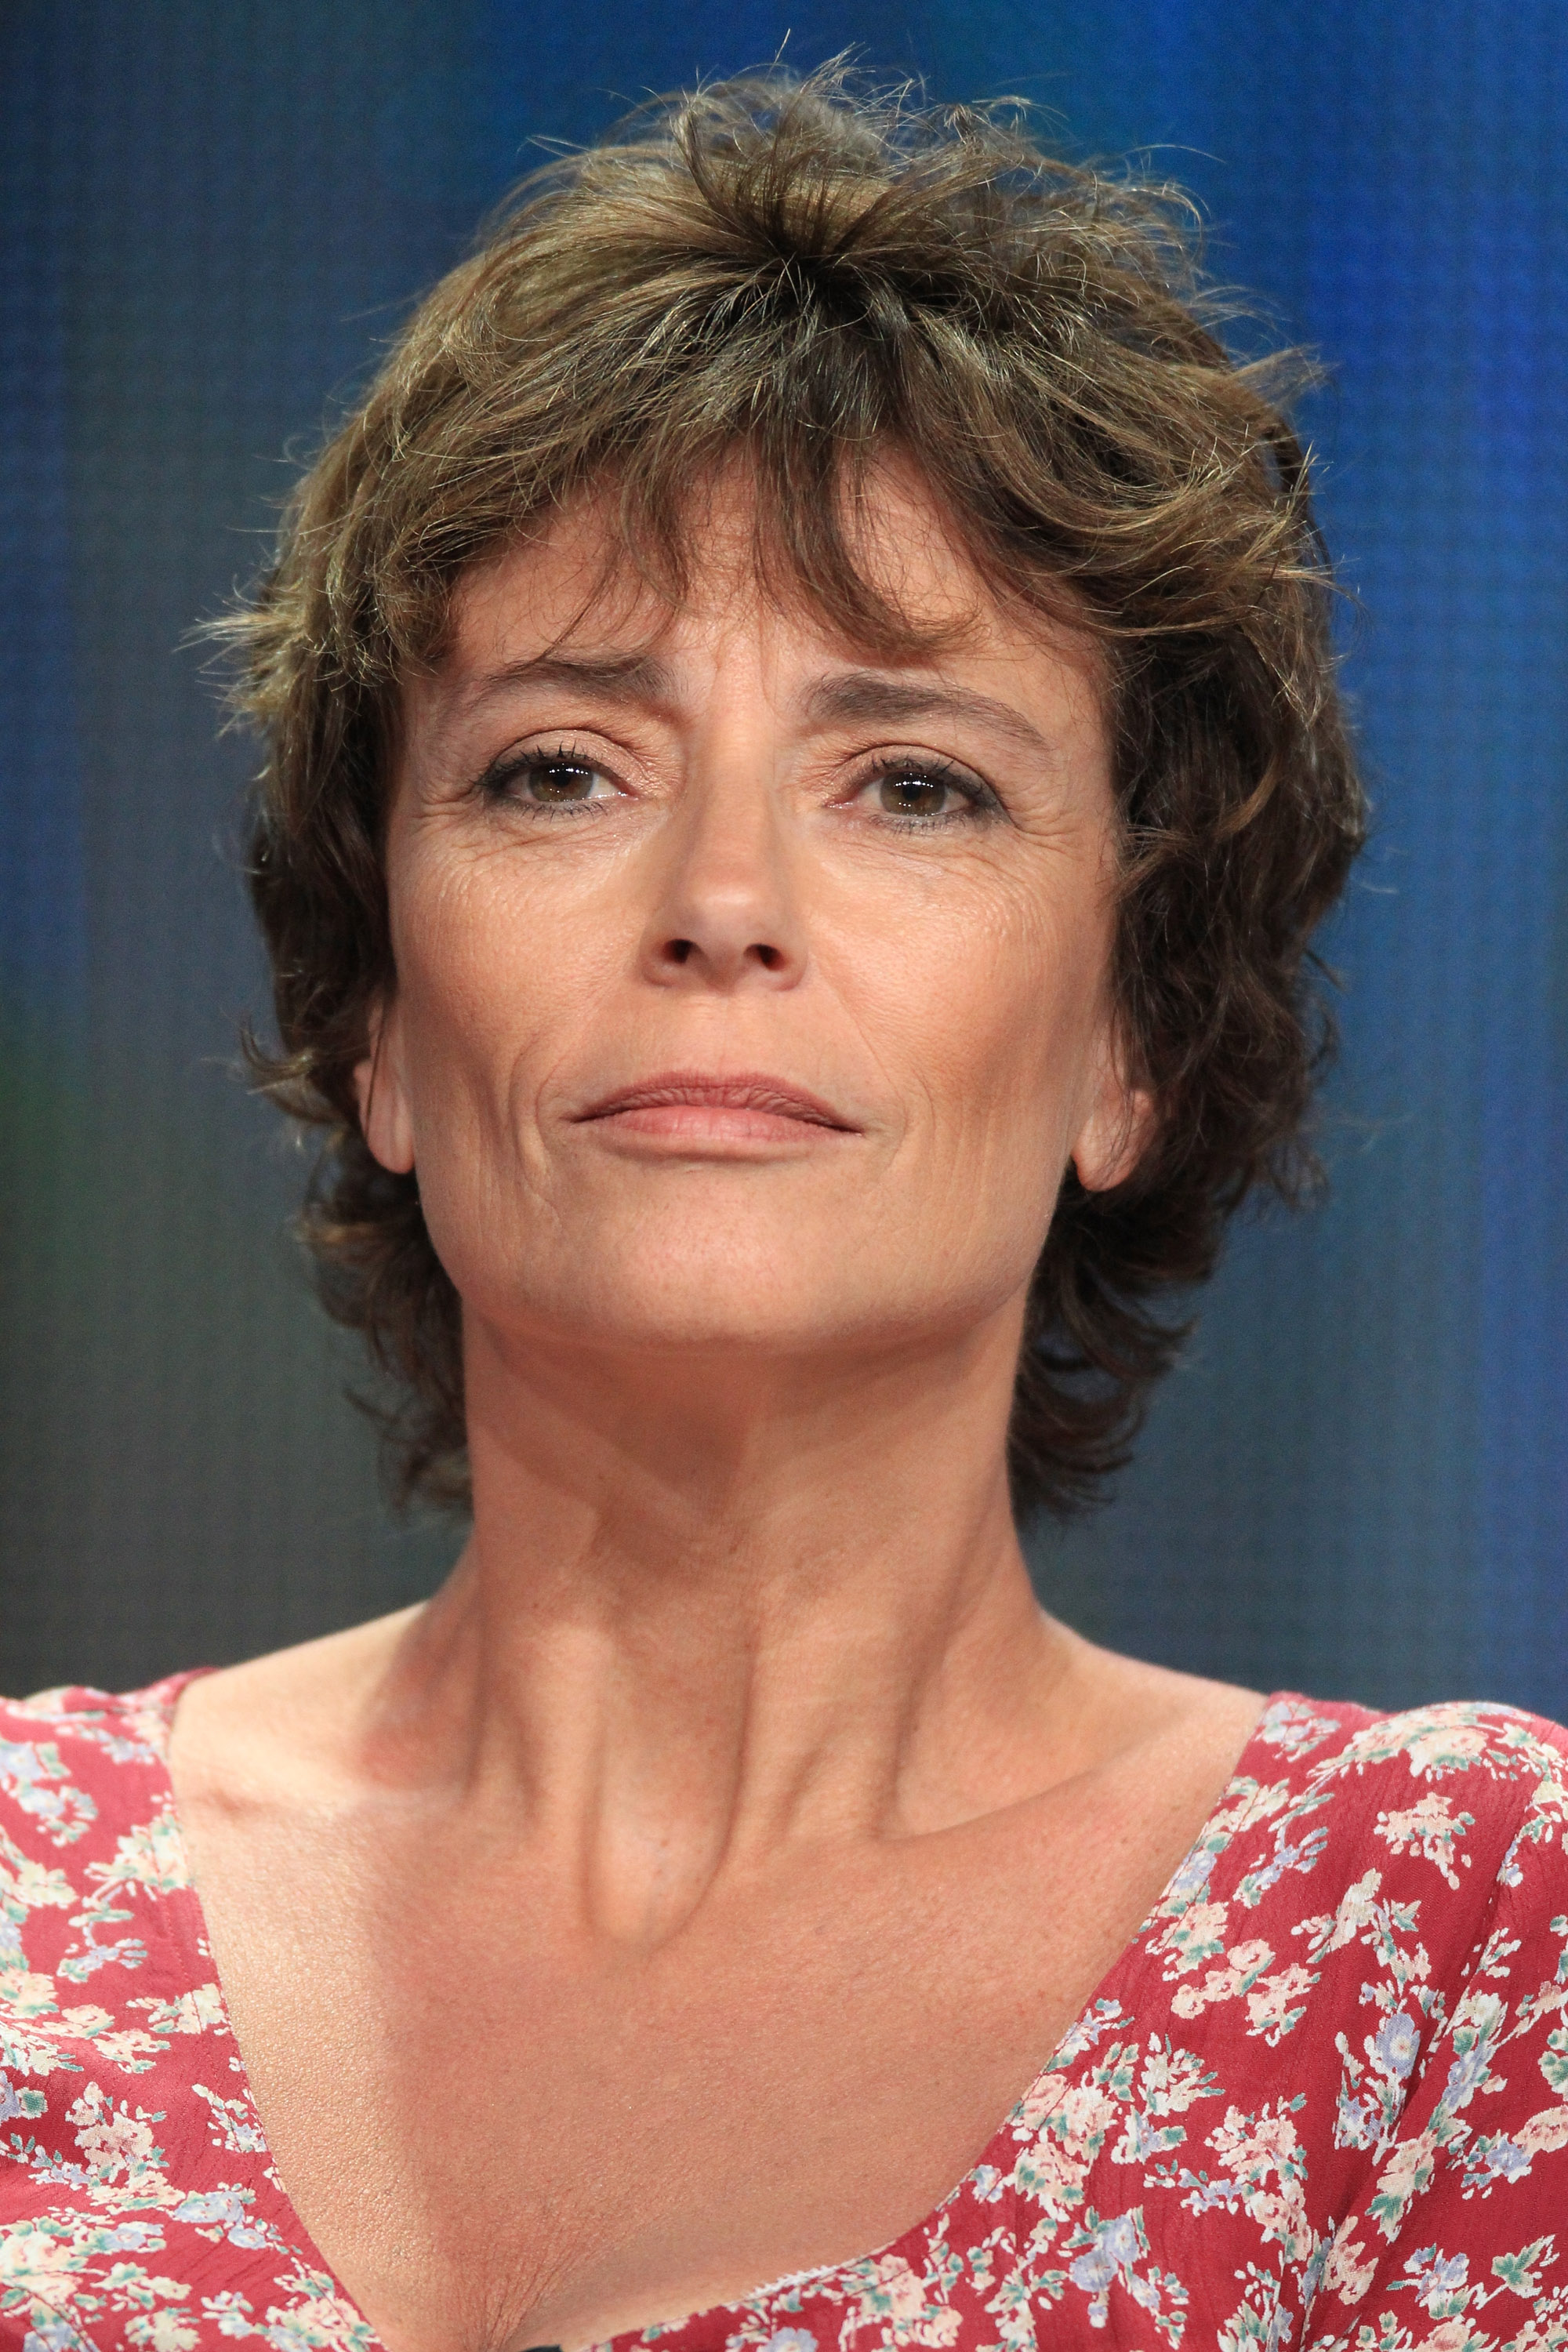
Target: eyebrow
[(624, 677), (865, 694), (853, 697)]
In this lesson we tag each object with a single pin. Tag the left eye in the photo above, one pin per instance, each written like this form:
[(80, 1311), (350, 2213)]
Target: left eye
[(921, 793), (557, 783)]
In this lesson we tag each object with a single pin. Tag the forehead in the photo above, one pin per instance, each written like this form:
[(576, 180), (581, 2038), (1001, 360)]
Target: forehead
[(584, 578)]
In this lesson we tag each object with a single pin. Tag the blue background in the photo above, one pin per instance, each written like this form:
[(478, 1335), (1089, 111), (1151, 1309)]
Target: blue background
[(209, 217)]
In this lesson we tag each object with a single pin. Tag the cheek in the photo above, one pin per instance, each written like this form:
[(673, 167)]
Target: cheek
[(494, 977), (983, 1016), (988, 1004)]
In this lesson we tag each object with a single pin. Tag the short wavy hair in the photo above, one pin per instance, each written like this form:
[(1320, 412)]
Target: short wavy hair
[(809, 276)]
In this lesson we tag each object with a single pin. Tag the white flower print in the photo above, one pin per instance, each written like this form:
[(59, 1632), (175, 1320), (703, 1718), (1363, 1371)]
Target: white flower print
[(1320, 2104)]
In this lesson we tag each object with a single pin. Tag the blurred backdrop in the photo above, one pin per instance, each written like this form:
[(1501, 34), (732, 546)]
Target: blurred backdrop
[(210, 218)]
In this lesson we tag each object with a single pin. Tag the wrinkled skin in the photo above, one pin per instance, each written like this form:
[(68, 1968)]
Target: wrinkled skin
[(733, 1814), (728, 892)]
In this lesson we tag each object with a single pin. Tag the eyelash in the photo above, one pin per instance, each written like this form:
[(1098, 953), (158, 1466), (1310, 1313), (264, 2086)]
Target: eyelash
[(981, 802), (496, 785)]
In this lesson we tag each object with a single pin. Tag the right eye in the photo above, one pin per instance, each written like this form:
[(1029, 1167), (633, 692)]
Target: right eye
[(547, 782)]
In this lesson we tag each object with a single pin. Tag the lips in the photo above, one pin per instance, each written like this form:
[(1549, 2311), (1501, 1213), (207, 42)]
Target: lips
[(744, 1091)]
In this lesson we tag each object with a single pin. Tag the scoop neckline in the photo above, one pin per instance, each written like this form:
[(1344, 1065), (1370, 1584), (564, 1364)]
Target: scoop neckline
[(167, 1695)]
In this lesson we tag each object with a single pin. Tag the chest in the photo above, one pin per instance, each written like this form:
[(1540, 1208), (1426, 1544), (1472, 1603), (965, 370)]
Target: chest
[(501, 2133)]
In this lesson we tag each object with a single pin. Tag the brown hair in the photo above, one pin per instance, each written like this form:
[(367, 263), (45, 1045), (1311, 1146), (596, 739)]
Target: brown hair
[(809, 276)]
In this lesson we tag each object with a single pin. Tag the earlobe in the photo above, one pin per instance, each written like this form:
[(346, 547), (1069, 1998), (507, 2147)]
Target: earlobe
[(1109, 1148), (1117, 1131), (382, 1098)]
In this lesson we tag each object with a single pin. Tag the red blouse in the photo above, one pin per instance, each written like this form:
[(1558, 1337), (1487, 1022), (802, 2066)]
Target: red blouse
[(1320, 2102)]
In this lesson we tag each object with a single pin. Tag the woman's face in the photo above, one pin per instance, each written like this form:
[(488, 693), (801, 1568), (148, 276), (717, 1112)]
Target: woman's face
[(751, 991)]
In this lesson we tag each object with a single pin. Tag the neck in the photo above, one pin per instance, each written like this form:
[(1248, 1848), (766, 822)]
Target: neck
[(712, 1611)]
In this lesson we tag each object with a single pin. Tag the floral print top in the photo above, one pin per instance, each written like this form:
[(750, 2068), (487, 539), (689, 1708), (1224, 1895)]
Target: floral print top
[(1319, 2104)]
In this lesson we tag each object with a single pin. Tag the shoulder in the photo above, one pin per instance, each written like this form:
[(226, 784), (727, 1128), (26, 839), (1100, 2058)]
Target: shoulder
[(1444, 1736), (1463, 1776), (133, 2173), (79, 1766), (1456, 1784), (1343, 1830), (1336, 1818)]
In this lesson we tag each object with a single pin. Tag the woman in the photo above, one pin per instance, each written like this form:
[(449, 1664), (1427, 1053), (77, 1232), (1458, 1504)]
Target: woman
[(803, 763)]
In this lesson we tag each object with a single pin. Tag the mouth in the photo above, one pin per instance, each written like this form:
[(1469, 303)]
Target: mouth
[(693, 1105)]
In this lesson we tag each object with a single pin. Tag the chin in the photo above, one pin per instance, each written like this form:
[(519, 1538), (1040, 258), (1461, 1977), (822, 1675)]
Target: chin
[(772, 1298), (708, 1278), (745, 1308)]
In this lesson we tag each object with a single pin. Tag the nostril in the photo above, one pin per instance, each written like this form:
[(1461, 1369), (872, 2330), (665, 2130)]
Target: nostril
[(718, 954)]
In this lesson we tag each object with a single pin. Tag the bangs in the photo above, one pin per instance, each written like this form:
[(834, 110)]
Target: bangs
[(649, 529)]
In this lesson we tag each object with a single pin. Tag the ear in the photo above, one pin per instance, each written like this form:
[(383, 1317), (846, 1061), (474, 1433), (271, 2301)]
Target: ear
[(385, 1117), (1119, 1124)]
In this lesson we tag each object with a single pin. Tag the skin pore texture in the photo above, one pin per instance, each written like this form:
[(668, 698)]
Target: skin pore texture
[(684, 1894)]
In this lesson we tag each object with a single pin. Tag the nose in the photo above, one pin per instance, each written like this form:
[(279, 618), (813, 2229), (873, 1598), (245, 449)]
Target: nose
[(726, 917)]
